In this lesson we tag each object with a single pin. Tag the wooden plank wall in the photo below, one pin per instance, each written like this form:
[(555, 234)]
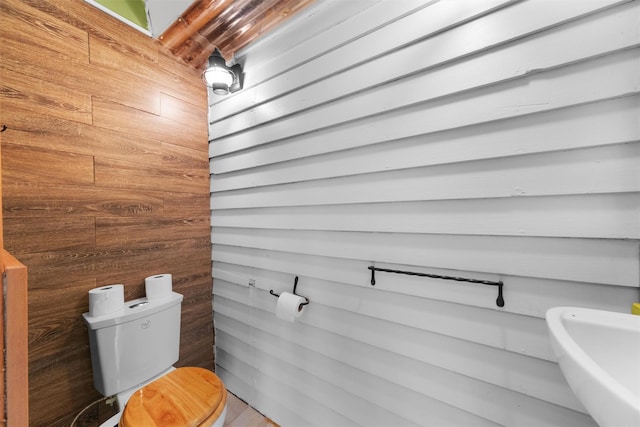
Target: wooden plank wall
[(105, 180), (490, 139)]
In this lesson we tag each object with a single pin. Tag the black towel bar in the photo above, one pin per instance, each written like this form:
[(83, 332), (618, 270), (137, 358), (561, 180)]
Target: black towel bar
[(499, 300)]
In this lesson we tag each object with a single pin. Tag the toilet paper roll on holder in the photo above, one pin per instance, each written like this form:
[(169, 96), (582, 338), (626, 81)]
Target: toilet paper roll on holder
[(295, 285)]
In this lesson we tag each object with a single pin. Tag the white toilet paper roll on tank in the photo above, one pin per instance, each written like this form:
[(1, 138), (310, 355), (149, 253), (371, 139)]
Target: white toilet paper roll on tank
[(158, 286), (106, 300)]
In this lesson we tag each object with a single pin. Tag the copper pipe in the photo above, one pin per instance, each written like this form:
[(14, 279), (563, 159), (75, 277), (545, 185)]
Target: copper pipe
[(228, 25), (199, 14)]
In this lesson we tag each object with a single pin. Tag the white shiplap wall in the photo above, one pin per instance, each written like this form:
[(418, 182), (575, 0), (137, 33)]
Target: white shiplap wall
[(491, 139)]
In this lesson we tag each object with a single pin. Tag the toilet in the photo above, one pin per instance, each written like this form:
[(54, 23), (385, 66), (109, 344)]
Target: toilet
[(133, 350)]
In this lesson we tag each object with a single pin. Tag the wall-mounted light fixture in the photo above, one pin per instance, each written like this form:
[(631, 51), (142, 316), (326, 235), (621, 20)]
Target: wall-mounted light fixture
[(220, 78)]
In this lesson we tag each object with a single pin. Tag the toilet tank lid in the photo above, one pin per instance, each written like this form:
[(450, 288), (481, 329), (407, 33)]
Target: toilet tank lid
[(132, 310)]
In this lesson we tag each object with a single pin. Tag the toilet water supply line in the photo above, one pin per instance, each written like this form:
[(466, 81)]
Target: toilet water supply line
[(109, 399)]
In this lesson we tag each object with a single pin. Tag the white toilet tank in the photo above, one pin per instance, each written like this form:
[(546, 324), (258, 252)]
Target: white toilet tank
[(132, 345)]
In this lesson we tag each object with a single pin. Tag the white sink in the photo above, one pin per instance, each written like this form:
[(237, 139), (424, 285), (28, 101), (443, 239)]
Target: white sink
[(599, 354)]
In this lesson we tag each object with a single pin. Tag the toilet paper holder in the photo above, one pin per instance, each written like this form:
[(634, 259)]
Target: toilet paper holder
[(295, 285)]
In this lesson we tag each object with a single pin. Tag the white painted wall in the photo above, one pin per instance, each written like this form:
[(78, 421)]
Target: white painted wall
[(491, 139)]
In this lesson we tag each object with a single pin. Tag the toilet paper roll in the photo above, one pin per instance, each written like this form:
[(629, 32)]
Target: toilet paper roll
[(158, 286), (289, 306), (106, 300)]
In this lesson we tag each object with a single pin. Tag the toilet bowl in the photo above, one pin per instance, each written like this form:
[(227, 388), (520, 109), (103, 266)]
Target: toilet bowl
[(184, 397)]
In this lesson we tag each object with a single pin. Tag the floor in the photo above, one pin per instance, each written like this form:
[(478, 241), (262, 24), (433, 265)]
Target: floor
[(239, 414)]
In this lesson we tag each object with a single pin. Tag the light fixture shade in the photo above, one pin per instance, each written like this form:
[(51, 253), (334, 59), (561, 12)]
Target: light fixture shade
[(220, 78)]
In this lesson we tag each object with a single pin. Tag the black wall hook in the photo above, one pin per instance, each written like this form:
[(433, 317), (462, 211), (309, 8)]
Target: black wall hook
[(3, 128), (295, 285)]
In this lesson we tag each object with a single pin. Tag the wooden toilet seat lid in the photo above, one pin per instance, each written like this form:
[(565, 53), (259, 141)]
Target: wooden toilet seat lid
[(184, 397)]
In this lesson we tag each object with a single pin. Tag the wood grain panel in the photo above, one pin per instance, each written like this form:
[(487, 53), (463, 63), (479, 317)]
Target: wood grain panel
[(196, 332), (194, 282), (124, 231), (137, 123), (125, 174), (53, 269), (36, 234), (65, 325), (187, 75), (189, 204), (133, 77), (29, 24), (145, 259), (37, 200), (70, 117), (108, 53), (130, 264), (31, 129), (44, 97), (87, 79), (50, 339), (109, 56), (187, 82), (28, 164), (71, 373), (182, 112), (93, 21), (188, 358), (178, 157)]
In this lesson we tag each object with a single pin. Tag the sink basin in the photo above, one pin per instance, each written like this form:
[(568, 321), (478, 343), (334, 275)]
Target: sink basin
[(599, 354)]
